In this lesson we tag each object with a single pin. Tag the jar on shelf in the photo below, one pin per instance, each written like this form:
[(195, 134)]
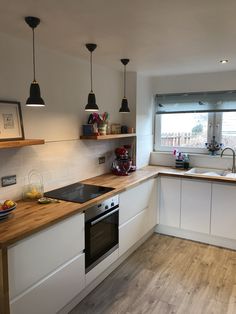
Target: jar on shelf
[(102, 128)]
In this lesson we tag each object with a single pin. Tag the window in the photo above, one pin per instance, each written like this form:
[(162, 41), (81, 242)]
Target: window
[(185, 122), (228, 137)]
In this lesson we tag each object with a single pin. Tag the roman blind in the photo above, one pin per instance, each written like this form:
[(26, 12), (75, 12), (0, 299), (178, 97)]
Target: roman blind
[(219, 101)]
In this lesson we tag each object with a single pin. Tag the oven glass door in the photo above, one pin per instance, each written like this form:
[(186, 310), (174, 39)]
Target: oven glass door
[(101, 236)]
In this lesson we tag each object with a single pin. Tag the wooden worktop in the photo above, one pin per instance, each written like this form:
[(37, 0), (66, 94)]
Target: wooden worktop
[(30, 217)]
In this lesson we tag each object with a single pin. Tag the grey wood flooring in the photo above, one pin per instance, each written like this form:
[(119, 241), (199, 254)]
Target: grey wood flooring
[(168, 275)]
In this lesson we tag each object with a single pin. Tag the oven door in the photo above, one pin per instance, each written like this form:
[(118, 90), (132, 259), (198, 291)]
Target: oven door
[(101, 237)]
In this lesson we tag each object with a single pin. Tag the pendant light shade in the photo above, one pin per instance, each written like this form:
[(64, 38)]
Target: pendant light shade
[(35, 99), (91, 105), (124, 104)]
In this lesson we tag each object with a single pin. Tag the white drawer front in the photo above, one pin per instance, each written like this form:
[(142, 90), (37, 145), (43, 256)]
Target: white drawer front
[(37, 256), (132, 231), (101, 267), (135, 200), (53, 293)]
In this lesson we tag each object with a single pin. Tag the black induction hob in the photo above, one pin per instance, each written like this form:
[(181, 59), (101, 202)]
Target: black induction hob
[(78, 192)]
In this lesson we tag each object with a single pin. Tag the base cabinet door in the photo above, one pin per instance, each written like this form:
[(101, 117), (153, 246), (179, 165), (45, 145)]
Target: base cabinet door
[(53, 292), (132, 231), (223, 217), (196, 205), (169, 194), (152, 209)]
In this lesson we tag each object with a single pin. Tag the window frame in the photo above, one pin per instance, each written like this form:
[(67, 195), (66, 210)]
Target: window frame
[(214, 128)]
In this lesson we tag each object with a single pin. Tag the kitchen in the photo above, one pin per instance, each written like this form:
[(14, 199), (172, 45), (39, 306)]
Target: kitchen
[(62, 70)]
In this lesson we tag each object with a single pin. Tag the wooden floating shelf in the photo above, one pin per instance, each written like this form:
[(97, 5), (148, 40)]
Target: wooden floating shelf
[(20, 143), (106, 137)]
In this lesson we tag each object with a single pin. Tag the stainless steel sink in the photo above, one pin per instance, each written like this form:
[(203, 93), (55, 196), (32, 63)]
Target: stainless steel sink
[(210, 172), (231, 175)]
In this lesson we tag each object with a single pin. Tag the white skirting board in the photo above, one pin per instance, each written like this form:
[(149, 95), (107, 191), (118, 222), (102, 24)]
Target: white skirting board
[(196, 236), (101, 277)]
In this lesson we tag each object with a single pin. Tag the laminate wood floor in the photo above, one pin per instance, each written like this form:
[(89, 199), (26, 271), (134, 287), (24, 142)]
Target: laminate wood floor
[(168, 275)]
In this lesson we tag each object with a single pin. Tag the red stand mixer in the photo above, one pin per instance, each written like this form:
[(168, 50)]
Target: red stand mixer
[(122, 165)]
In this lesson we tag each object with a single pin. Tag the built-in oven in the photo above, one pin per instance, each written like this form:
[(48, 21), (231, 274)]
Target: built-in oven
[(101, 231)]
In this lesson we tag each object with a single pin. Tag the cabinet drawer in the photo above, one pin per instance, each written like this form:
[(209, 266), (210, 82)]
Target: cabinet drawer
[(135, 200), (101, 267), (33, 258), (132, 231), (53, 292)]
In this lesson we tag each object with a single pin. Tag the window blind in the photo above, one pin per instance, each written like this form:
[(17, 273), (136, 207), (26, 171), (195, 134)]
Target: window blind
[(219, 101)]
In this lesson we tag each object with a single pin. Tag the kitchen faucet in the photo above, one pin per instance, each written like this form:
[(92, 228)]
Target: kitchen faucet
[(233, 167)]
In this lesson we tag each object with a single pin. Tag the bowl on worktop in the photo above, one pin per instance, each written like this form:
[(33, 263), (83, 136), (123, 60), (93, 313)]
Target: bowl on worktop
[(6, 207)]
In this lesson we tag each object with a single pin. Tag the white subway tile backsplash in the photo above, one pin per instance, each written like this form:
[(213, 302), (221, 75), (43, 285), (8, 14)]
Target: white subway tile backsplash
[(60, 163)]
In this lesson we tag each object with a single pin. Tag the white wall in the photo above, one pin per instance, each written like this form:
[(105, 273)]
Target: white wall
[(64, 82), (194, 83), (131, 91), (144, 120), (139, 94)]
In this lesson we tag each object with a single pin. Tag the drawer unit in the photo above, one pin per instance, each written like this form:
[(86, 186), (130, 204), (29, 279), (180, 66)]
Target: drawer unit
[(132, 231), (53, 292), (35, 257), (135, 200)]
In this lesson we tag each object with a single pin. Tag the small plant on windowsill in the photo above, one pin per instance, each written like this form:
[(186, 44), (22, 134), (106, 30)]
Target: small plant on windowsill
[(213, 146)]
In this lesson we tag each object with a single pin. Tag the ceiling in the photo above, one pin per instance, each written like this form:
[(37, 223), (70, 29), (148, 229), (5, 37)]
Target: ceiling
[(161, 37)]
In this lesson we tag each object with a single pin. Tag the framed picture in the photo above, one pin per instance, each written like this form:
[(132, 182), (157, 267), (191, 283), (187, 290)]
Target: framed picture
[(11, 122)]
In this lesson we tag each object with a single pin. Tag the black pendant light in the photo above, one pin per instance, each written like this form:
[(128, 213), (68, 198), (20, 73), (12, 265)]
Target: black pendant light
[(35, 99), (91, 105), (124, 104)]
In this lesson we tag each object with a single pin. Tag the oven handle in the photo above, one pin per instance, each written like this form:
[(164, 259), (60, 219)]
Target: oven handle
[(103, 217)]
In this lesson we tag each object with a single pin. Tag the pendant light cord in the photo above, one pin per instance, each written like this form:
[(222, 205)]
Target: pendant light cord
[(33, 57), (124, 81), (91, 71)]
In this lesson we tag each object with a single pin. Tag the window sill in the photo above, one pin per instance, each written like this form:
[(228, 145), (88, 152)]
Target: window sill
[(190, 154), (196, 160), (203, 155)]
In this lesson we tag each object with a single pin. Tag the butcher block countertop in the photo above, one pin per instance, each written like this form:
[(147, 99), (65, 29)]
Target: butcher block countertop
[(30, 217)]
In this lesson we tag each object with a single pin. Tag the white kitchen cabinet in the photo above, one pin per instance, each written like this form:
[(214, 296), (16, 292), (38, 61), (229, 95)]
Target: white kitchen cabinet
[(170, 191), (135, 200), (37, 256), (137, 215), (196, 205), (152, 212), (223, 217), (53, 292), (132, 231)]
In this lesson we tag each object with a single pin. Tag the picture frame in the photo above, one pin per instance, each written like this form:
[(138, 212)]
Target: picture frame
[(11, 121)]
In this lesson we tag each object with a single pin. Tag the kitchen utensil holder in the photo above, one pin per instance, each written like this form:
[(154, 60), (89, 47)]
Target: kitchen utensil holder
[(102, 128)]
